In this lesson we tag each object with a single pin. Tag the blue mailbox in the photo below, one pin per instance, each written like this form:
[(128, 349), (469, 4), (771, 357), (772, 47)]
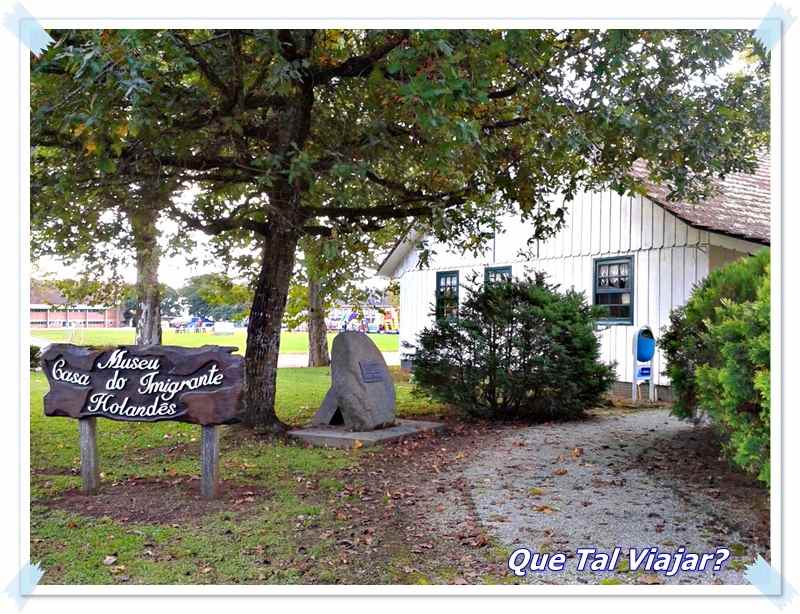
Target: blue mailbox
[(644, 348), (645, 345)]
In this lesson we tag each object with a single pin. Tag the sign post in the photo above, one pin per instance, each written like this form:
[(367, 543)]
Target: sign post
[(144, 384), (90, 469), (644, 348), (209, 462)]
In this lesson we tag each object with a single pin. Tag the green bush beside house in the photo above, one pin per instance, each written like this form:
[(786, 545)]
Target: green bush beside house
[(718, 359), (518, 348)]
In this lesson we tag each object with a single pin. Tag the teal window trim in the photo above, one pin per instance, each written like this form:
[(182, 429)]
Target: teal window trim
[(447, 290), (610, 287), (496, 271)]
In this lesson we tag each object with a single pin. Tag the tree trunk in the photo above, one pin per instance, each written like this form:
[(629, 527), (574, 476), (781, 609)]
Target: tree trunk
[(148, 296), (264, 330), (318, 355)]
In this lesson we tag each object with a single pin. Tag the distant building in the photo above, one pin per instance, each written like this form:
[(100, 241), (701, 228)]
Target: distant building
[(49, 309)]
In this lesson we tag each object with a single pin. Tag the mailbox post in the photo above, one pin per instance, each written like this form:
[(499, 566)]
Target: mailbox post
[(644, 347)]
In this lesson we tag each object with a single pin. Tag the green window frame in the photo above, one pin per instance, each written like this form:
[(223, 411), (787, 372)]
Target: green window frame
[(495, 273), (446, 294), (614, 289)]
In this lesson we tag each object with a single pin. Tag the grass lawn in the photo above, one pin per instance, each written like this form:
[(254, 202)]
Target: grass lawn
[(291, 343), (259, 545)]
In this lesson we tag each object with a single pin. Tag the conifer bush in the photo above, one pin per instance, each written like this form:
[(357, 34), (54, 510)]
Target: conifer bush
[(718, 359), (518, 348)]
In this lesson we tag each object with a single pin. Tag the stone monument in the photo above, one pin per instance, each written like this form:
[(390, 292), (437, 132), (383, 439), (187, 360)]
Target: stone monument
[(358, 409), (361, 396)]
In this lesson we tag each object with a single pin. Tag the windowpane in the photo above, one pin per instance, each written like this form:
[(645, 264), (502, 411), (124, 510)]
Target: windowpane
[(493, 274), (613, 289), (447, 294)]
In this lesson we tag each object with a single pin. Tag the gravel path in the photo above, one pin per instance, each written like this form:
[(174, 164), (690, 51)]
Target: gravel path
[(617, 479)]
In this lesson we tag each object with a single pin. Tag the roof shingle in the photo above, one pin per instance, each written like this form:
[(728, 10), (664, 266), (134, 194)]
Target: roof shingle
[(739, 208)]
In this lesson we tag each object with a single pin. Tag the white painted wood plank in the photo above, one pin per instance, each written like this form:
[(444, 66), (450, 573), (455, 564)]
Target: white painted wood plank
[(597, 212), (642, 285), (625, 223), (658, 226), (570, 247), (627, 345), (654, 263), (636, 223), (577, 230), (664, 302), (642, 302), (586, 226), (563, 236), (669, 229), (622, 352), (605, 222), (692, 235), (678, 283), (665, 289), (647, 224), (702, 262), (689, 269), (680, 232), (616, 215)]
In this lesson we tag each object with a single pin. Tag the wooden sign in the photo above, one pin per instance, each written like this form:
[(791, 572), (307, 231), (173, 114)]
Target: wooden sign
[(144, 384)]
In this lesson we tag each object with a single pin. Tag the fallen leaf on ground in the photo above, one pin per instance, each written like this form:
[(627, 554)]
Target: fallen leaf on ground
[(560, 471), (109, 560)]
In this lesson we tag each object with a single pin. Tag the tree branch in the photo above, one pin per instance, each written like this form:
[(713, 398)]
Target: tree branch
[(204, 66), (360, 65)]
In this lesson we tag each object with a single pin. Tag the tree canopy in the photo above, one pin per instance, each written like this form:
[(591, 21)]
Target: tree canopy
[(292, 133), (440, 124)]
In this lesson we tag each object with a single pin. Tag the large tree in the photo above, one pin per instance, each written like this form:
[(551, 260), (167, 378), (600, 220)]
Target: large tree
[(294, 133), (97, 192)]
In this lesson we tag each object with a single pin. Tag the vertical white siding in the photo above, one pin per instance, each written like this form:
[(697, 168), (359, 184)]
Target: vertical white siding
[(670, 257)]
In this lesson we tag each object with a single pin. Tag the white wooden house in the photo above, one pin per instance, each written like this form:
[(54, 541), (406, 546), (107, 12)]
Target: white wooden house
[(641, 256)]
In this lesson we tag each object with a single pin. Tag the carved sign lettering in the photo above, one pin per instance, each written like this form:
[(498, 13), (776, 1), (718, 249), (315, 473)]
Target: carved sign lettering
[(144, 383)]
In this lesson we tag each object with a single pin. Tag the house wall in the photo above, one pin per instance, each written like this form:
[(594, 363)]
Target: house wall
[(670, 257)]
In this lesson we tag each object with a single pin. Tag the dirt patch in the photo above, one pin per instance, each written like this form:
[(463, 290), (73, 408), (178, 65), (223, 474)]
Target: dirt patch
[(157, 501), (694, 463), (405, 512)]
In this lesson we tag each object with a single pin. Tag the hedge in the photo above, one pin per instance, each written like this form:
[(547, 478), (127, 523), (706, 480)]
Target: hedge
[(718, 359)]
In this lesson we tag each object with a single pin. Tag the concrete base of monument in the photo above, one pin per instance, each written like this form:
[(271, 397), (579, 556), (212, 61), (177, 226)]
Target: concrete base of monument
[(338, 437)]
